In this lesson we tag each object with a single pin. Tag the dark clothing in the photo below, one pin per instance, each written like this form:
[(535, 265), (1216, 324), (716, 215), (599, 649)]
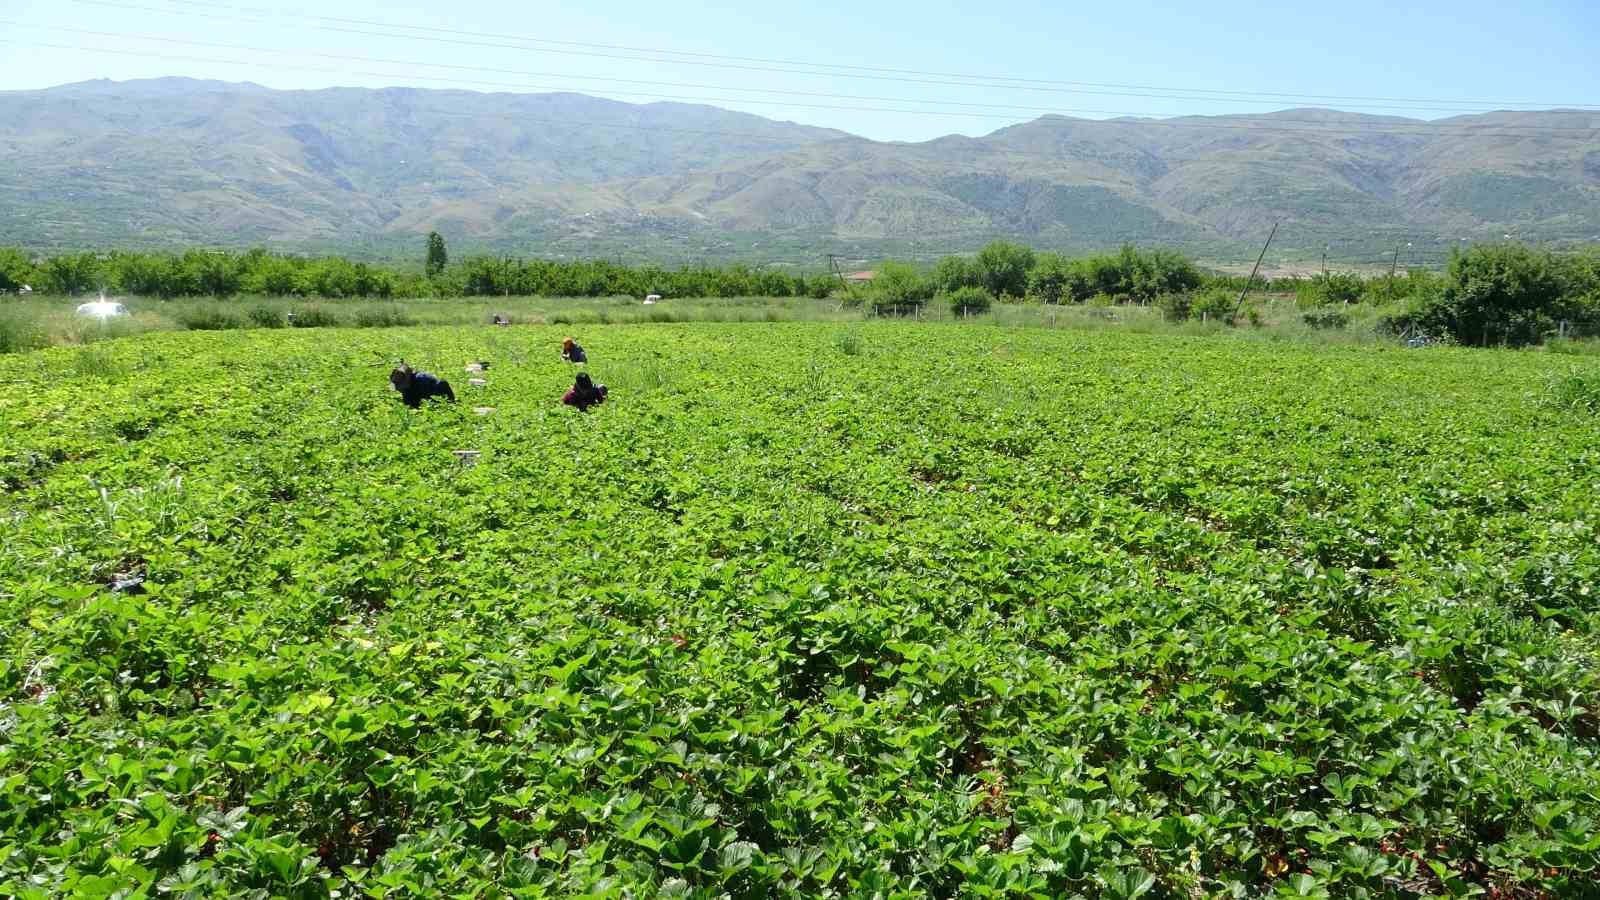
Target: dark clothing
[(424, 385), (583, 399), (575, 355)]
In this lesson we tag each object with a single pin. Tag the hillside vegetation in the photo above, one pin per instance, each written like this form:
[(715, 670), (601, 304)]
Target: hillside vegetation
[(174, 162)]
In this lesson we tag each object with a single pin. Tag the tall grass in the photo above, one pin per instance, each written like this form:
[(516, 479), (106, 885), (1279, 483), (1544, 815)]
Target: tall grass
[(20, 332), (34, 323), (1575, 391)]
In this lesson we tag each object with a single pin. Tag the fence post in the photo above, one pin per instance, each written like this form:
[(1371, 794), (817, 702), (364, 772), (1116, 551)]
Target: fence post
[(1563, 329)]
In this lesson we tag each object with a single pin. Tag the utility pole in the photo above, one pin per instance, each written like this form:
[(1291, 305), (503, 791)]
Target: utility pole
[(833, 264), (1325, 262), (1240, 305), (1396, 264)]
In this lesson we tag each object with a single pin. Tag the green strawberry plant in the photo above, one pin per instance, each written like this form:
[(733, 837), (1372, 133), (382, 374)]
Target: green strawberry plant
[(961, 611)]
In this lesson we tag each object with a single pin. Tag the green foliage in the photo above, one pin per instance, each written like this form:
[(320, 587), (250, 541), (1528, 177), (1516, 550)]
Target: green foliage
[(898, 288), (16, 270), (207, 318), (1575, 347), (1176, 307), (71, 273), (1578, 391), (1049, 281), (968, 301), (944, 619), (315, 317), (1214, 304), (1140, 276), (954, 272), (1502, 294), (1332, 288), (1002, 268), (437, 258), (266, 317), (382, 317), (19, 332), (1326, 319), (1149, 274), (272, 276)]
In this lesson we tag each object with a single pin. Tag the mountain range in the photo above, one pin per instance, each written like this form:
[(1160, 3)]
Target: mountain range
[(177, 162)]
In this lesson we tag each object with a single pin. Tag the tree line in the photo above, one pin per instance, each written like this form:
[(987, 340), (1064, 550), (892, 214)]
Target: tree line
[(211, 273), (1498, 294), (1489, 294)]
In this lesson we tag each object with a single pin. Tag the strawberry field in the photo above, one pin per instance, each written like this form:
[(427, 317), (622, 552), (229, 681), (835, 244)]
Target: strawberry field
[(803, 609)]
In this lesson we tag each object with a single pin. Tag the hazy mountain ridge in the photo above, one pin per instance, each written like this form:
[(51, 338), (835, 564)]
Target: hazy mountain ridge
[(175, 161)]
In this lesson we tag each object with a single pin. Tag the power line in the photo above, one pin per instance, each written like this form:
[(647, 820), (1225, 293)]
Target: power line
[(1278, 96), (1234, 123), (531, 74), (519, 72), (523, 46)]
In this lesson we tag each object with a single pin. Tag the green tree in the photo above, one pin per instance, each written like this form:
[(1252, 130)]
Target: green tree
[(899, 287), (211, 272), (15, 269), (1003, 268), (1496, 294), (955, 272), (1332, 288), (71, 273), (1048, 281), (437, 257)]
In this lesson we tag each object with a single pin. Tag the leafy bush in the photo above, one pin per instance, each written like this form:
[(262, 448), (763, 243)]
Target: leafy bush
[(1002, 268), (1214, 304), (1499, 294), (1050, 279), (1331, 288), (266, 317), (71, 273), (968, 301), (1142, 276), (1326, 319), (899, 288), (1176, 307), (382, 317), (207, 318), (16, 270), (315, 317), (954, 272)]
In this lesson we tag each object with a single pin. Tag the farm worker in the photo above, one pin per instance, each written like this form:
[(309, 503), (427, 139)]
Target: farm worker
[(585, 393), (415, 387), (571, 352)]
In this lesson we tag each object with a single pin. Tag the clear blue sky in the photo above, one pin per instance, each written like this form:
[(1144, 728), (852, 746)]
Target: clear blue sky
[(1478, 53)]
